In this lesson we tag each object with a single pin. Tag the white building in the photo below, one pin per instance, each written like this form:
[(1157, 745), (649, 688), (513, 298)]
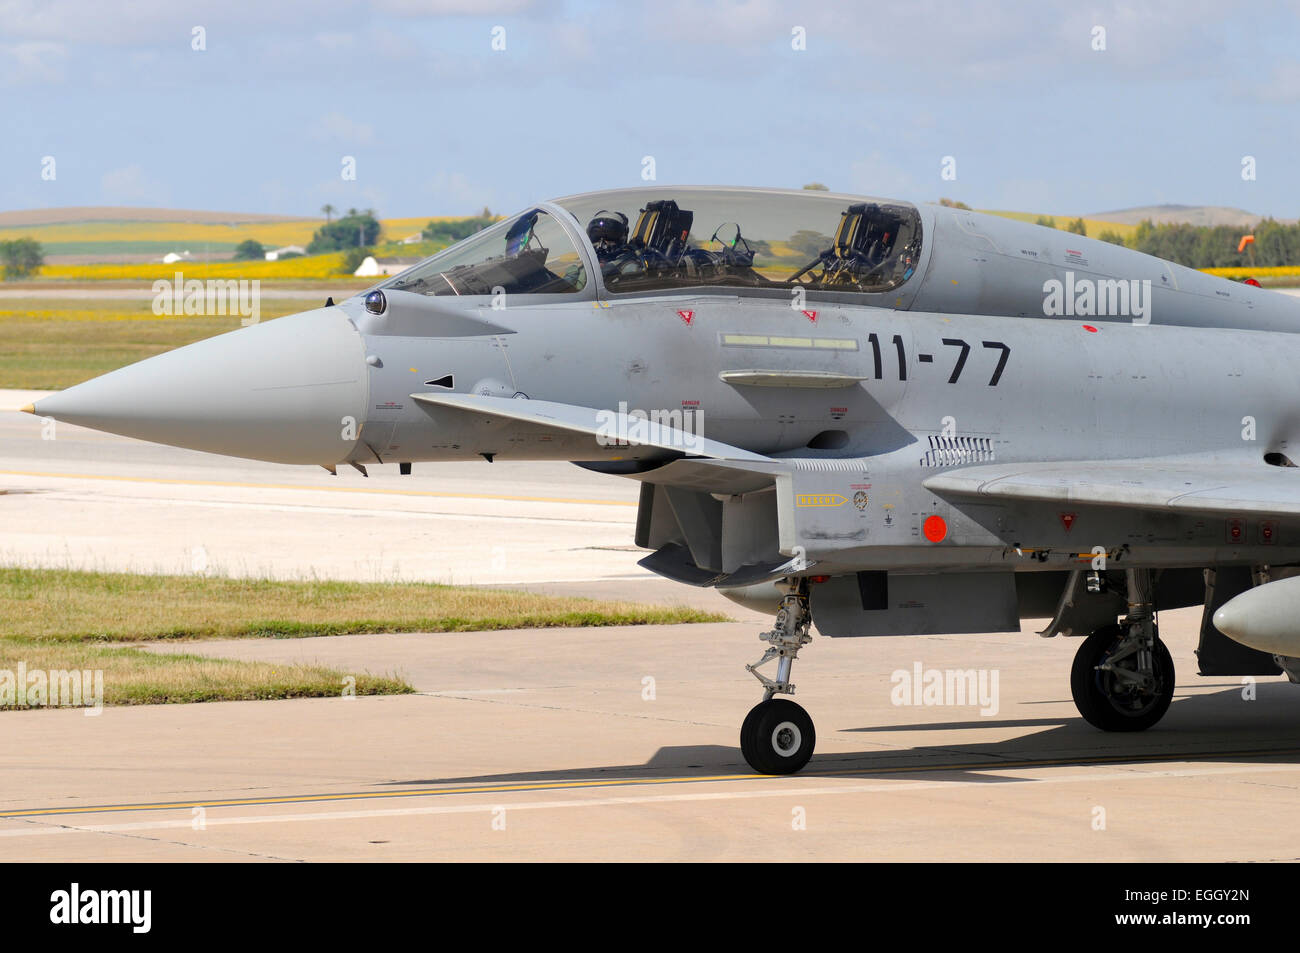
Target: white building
[(286, 250), (372, 267)]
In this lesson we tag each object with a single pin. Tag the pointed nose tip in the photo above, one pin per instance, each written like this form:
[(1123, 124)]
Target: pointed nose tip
[(292, 390), (27, 409)]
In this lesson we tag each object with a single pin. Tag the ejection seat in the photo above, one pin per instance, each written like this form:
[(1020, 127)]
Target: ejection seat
[(661, 233)]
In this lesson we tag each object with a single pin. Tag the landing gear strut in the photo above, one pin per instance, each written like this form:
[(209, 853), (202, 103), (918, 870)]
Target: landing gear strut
[(1123, 676), (777, 736)]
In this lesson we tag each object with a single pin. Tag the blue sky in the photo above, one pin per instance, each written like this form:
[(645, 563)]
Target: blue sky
[(441, 123)]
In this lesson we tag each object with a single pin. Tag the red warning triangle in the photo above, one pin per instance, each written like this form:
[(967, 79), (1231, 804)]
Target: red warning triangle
[(811, 316), (1067, 520), (687, 316)]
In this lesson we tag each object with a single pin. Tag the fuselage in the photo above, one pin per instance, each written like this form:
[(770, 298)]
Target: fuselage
[(921, 338)]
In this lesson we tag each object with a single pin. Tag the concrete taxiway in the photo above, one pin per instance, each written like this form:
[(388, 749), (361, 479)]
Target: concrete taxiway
[(598, 744), (548, 745)]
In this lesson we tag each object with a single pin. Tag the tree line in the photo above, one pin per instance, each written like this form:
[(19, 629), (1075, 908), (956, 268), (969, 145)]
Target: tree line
[(1205, 246), (21, 257), (1215, 246)]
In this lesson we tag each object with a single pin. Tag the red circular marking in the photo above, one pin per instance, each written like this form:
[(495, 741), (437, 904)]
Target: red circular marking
[(1090, 329), (1253, 282), (934, 528)]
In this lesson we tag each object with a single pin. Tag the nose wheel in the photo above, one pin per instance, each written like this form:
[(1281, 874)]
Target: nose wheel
[(777, 736)]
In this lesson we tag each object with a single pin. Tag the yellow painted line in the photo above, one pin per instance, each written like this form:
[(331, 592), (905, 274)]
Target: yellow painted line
[(369, 795), (323, 489), (646, 782)]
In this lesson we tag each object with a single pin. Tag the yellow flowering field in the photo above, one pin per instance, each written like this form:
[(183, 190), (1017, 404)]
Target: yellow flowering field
[(1279, 271), (193, 236), (1094, 226), (306, 267)]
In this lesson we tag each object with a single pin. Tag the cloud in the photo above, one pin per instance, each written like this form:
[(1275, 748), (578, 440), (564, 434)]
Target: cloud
[(1282, 85), (877, 175), (130, 185), (335, 42), (33, 62), (84, 21), (336, 127), (456, 193), (941, 41), (427, 8)]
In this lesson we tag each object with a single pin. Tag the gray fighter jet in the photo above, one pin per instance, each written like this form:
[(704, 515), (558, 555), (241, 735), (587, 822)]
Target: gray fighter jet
[(870, 416)]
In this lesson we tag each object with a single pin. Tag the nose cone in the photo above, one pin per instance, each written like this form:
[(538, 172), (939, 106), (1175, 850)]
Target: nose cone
[(292, 390), (1265, 618)]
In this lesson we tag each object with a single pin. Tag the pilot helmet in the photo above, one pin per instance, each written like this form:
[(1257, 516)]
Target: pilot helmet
[(608, 227)]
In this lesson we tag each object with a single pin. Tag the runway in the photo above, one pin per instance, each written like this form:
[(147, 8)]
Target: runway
[(545, 746), (572, 744)]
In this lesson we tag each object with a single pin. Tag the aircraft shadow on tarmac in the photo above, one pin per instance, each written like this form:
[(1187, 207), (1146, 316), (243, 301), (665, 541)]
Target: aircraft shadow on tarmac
[(1211, 727)]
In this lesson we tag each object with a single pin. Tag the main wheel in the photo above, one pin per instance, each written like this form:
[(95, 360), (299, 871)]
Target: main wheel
[(777, 737), (1109, 703)]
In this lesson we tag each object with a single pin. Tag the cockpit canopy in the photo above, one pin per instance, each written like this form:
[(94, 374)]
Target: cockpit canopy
[(688, 237), (530, 253), (666, 238)]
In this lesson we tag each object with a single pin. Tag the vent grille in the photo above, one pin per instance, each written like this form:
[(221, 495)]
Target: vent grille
[(953, 451), (831, 465)]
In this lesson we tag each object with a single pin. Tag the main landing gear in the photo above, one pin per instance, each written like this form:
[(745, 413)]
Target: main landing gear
[(777, 736), (1123, 676)]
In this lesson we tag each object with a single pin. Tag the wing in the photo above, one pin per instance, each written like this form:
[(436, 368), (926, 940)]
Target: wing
[(600, 425), (1172, 485), (680, 515)]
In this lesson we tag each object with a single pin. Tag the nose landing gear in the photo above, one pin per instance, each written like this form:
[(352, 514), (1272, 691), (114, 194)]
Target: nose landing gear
[(777, 736)]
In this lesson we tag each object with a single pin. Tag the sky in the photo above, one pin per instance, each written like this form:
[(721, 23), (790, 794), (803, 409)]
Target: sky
[(446, 106)]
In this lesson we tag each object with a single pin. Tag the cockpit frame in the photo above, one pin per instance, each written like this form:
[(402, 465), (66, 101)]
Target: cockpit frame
[(663, 257)]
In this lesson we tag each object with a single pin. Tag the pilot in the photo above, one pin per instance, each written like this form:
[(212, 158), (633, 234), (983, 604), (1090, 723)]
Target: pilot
[(608, 233)]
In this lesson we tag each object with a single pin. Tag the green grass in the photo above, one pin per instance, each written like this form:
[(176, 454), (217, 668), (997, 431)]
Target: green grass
[(53, 619), (50, 344), (55, 605), (133, 676)]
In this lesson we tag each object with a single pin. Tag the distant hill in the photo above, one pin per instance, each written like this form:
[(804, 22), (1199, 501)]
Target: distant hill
[(1095, 226), (1188, 214), (92, 213), (84, 235)]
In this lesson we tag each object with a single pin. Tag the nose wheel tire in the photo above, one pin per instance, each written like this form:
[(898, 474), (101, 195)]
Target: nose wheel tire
[(777, 737), (1107, 687)]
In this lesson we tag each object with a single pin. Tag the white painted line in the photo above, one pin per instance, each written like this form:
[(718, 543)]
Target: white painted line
[(1122, 773)]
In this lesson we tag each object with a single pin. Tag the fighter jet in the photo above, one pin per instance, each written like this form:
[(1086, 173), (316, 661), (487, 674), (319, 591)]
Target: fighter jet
[(865, 415)]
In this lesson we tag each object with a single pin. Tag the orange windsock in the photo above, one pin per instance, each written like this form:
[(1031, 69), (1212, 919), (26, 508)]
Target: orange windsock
[(1245, 240)]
